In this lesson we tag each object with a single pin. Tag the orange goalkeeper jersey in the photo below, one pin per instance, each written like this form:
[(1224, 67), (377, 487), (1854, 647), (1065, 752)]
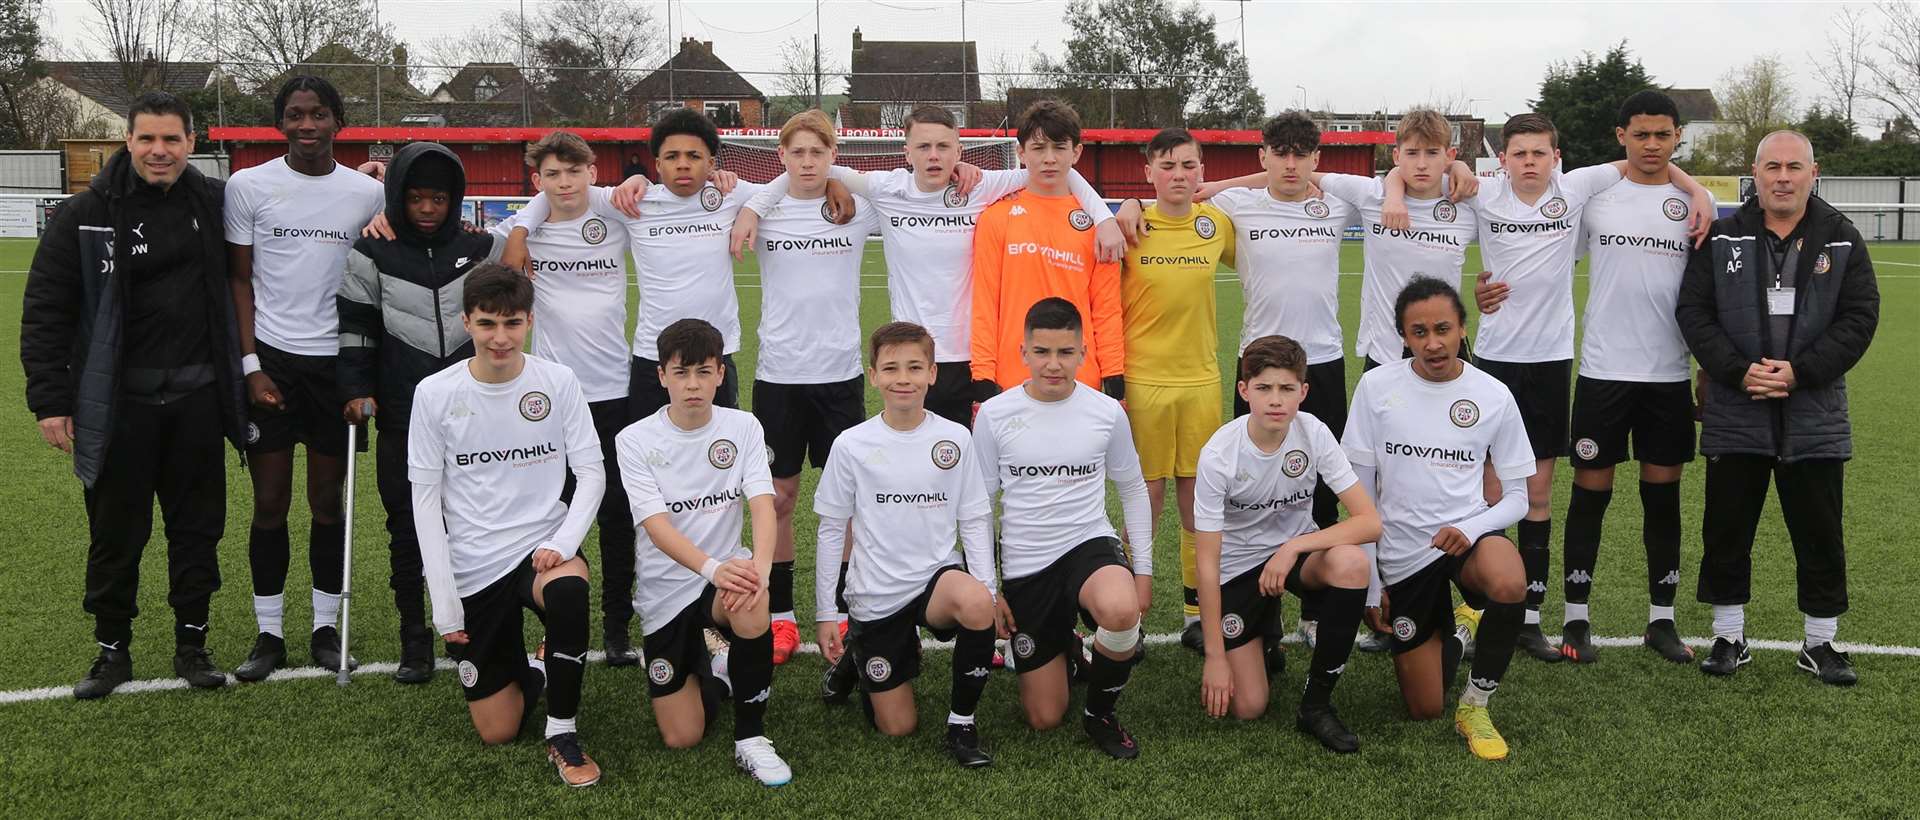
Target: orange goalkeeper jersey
[(1027, 247)]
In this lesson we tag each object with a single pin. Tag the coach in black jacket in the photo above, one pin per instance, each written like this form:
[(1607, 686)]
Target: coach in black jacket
[(1777, 307), (128, 339)]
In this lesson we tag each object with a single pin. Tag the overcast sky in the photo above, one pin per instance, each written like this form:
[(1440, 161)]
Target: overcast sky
[(1347, 56)]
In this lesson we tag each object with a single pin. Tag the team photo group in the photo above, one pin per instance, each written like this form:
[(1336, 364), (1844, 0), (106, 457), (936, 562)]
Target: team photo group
[(1043, 345)]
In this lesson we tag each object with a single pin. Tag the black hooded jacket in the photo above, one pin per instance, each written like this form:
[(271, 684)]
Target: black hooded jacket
[(400, 300), (74, 318)]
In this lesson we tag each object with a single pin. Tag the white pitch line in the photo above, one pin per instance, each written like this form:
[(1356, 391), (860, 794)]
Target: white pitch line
[(387, 667)]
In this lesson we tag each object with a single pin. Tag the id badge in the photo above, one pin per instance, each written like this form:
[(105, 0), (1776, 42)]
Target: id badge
[(1779, 301)]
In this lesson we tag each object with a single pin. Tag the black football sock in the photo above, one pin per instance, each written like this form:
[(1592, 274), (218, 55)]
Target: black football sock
[(566, 610), (1339, 610), (1105, 681), (326, 546), (1585, 512), (750, 667), (972, 659), (780, 589), (1493, 645), (267, 559), (1535, 538), (1661, 533)]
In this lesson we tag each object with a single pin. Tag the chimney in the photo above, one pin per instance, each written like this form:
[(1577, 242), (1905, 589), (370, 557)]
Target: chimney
[(856, 38)]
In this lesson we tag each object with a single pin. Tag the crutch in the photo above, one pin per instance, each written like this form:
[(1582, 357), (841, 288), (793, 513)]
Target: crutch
[(346, 556)]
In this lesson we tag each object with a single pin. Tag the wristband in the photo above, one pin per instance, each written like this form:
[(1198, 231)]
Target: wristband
[(708, 569), (250, 364)]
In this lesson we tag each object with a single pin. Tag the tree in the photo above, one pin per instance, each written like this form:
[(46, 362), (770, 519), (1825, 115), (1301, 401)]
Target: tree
[(581, 56), (33, 113), (1827, 130), (1896, 73), (1755, 99), (793, 87), (1879, 158), (142, 36), (1163, 54), (1844, 69), (1583, 99), (261, 39)]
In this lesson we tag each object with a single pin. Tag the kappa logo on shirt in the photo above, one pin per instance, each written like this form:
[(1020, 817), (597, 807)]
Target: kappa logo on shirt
[(876, 457), (1018, 210)]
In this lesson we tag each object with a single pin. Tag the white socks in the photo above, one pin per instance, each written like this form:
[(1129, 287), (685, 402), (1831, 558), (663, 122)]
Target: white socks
[(959, 720), (1189, 620), (1659, 613), (1473, 695), (718, 666), (784, 616), (1532, 618), (1821, 630), (326, 610), (1575, 612), (270, 610), (559, 726), (1730, 622)]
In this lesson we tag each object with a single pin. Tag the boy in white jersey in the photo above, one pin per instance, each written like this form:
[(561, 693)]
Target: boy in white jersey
[(929, 210), (907, 481), (690, 468), (488, 444), (1257, 540), (1418, 437), (579, 272), (807, 388), (1528, 226), (678, 236), (1048, 448), (1434, 245), (1633, 373), (289, 225)]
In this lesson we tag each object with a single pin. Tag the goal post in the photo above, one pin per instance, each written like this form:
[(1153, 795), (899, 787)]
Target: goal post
[(756, 158)]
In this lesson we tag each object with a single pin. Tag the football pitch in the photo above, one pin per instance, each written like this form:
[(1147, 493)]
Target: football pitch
[(1630, 736)]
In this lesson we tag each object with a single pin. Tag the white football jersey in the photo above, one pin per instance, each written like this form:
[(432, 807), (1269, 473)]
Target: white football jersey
[(1434, 246), (1258, 500), (1531, 248), (1431, 442), (1637, 246), (1287, 255), (701, 480), (580, 298), (906, 493), (301, 228), (810, 291), (499, 453), (1050, 462)]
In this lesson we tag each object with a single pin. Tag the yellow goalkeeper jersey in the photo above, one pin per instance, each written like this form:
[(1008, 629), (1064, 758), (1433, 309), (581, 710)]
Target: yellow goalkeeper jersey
[(1167, 297)]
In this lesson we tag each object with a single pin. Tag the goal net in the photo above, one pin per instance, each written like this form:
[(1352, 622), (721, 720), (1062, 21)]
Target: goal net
[(757, 158)]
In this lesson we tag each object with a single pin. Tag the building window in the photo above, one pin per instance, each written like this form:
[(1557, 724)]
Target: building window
[(485, 87), (724, 114), (959, 113), (655, 109), (1345, 127)]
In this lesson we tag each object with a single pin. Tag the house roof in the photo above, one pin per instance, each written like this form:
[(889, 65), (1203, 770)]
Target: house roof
[(105, 82), (328, 62), (913, 71), (1695, 104), (1129, 107), (464, 86), (694, 73)]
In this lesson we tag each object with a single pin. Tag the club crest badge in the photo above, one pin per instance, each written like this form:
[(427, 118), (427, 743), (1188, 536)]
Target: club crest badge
[(593, 231), (253, 433), (1318, 209), (1080, 220), (660, 671), (1231, 626), (1822, 263), (710, 198), (953, 198), (535, 406), (469, 674), (826, 211), (1295, 463), (1554, 208), (1444, 211), (878, 670), (721, 454), (1464, 413), (1023, 645), (1403, 628), (1675, 208), (1204, 227), (946, 454), (1587, 449)]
